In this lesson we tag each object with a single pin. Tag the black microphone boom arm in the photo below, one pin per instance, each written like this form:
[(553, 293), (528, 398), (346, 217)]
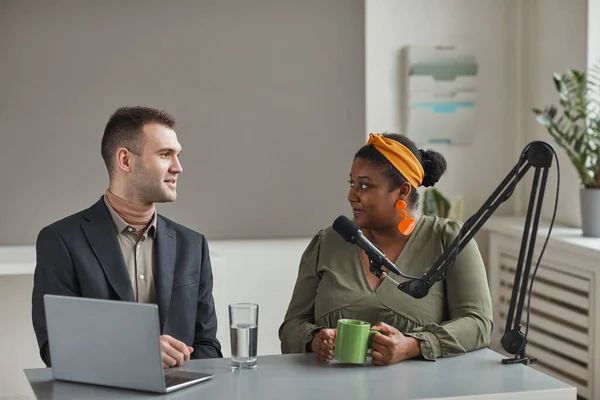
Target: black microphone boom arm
[(538, 155)]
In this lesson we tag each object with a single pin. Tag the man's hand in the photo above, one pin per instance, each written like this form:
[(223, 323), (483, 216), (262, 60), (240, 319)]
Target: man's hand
[(323, 343), (392, 346), (174, 352)]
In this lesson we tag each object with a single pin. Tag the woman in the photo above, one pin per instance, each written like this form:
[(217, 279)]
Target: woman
[(334, 280)]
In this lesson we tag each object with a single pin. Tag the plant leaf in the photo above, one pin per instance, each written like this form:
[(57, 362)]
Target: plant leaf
[(575, 123)]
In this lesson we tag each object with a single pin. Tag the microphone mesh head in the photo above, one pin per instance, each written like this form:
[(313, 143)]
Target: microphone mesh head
[(345, 228)]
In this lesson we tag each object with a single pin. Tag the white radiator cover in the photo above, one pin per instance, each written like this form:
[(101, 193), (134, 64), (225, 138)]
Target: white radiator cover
[(564, 327)]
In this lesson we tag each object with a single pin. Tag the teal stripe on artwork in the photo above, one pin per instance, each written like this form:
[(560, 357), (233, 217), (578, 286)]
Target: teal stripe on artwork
[(443, 108), (443, 72)]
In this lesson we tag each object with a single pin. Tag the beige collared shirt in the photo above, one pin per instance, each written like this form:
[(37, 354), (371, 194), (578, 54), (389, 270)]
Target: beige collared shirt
[(138, 255)]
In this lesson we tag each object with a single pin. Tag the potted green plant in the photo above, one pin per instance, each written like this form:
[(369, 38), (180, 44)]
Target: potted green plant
[(575, 126)]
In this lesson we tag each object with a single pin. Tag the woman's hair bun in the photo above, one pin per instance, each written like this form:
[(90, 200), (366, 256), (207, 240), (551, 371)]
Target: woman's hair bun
[(434, 165)]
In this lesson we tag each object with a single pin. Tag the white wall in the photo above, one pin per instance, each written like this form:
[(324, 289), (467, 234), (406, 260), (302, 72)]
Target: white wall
[(554, 38), (593, 26), (473, 170), (255, 271), (262, 272), (520, 44), (262, 90), (18, 346)]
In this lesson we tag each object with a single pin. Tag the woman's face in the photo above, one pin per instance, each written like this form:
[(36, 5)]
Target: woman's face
[(373, 204)]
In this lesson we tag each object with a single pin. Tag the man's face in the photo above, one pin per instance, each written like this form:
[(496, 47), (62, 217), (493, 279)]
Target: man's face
[(155, 171)]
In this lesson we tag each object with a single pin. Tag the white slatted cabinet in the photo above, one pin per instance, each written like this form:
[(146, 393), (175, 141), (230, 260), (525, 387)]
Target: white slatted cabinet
[(564, 324)]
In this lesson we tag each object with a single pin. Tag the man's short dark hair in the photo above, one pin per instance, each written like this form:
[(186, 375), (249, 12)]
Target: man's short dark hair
[(125, 129)]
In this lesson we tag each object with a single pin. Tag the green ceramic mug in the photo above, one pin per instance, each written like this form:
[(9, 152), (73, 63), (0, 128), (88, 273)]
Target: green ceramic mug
[(352, 341)]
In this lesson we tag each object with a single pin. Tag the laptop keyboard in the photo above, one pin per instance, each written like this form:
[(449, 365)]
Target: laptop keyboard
[(175, 377), (171, 381)]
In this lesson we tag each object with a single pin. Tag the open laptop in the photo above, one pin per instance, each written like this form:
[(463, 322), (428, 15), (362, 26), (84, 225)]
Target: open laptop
[(110, 343)]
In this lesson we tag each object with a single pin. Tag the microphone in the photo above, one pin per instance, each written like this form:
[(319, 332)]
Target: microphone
[(350, 232)]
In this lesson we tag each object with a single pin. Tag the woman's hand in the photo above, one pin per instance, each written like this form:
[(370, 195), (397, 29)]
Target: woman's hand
[(392, 346), (322, 344)]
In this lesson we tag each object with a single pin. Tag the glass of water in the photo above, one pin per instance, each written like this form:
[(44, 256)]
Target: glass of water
[(243, 330)]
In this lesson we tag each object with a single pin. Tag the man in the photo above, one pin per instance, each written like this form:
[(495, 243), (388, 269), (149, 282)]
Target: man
[(121, 249)]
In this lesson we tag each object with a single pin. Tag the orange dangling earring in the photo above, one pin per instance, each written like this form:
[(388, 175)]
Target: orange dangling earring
[(406, 225)]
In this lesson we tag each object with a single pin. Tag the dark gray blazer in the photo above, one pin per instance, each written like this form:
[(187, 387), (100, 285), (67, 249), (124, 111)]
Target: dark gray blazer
[(80, 256)]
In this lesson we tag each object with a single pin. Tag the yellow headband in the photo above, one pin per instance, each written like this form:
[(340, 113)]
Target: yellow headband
[(400, 157)]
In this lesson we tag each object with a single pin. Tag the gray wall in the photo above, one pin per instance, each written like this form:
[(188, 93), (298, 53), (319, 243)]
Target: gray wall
[(269, 97)]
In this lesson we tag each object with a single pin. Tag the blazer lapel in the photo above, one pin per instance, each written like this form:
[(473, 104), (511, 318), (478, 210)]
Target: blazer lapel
[(165, 266), (101, 234)]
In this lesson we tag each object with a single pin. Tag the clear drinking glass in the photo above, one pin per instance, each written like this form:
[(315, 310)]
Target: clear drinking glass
[(243, 331)]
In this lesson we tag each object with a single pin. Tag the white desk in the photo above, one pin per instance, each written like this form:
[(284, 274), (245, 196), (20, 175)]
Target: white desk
[(477, 375)]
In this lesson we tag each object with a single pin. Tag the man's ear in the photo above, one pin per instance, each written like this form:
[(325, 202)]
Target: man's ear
[(123, 160)]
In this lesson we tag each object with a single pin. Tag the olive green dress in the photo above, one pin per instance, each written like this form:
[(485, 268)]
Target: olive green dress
[(455, 317)]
